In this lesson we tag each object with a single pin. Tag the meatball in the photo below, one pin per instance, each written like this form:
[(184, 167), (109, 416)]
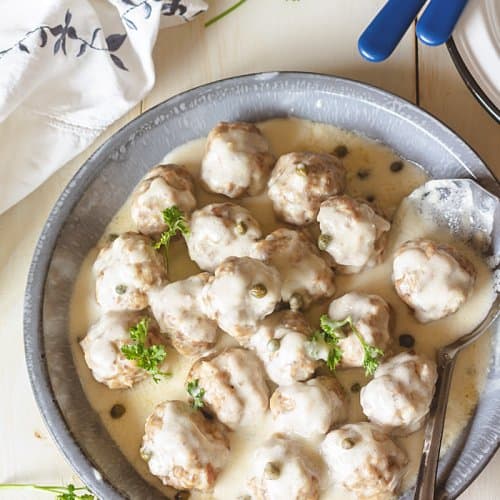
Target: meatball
[(241, 293), (282, 471), (432, 278), (237, 160), (352, 233), (102, 349), (280, 342), (364, 460), (370, 315), (300, 182), (178, 309), (183, 448), (235, 388), (219, 231), (306, 276), (163, 187), (291, 406), (399, 396), (125, 270)]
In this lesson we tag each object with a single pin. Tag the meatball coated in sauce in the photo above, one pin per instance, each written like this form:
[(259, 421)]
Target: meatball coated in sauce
[(280, 342), (282, 471), (183, 448), (370, 315), (242, 292), (126, 269), (291, 406), (237, 160), (163, 187), (234, 384), (364, 460), (399, 395), (219, 231), (178, 309), (306, 276), (300, 182), (352, 233), (432, 278), (102, 349)]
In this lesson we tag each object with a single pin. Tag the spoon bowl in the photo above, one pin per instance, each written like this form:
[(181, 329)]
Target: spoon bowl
[(472, 214)]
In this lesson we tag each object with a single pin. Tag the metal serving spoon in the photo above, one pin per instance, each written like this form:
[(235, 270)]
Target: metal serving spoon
[(472, 214)]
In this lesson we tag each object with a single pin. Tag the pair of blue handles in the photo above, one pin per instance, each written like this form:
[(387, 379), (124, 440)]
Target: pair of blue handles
[(434, 27)]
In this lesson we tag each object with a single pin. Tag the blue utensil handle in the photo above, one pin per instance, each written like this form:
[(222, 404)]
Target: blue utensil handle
[(438, 20), (382, 35)]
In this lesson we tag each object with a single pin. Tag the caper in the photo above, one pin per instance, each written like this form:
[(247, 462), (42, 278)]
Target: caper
[(347, 443), (273, 345), (296, 302), (120, 289), (272, 470), (301, 169), (258, 291), (182, 495), (370, 198), (117, 411), (324, 241), (146, 454), (406, 340), (340, 151), (363, 173), (396, 166), (356, 387), (241, 227)]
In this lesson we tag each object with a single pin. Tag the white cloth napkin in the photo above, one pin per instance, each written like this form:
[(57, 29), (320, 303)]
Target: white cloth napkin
[(68, 69)]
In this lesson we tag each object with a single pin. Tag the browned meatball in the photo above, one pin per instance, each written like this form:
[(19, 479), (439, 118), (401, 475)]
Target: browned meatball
[(163, 187), (234, 385), (301, 181), (126, 269), (237, 160), (432, 278), (183, 448)]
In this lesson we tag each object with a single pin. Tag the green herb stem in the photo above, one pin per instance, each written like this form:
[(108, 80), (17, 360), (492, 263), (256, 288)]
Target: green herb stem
[(224, 13)]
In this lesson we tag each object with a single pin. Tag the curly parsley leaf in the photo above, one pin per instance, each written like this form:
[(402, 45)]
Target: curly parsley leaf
[(176, 222), (70, 492), (332, 331), (147, 358), (196, 392)]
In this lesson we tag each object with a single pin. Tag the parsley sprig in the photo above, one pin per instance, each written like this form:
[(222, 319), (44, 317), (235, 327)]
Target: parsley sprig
[(332, 331), (196, 392), (147, 358), (176, 222), (70, 492)]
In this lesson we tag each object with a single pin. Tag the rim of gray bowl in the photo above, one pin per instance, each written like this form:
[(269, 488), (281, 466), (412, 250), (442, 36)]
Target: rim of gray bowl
[(34, 293)]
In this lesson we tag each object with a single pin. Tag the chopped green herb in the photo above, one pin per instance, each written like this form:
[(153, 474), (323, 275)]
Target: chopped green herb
[(176, 222), (196, 392), (70, 492), (356, 387), (147, 358), (332, 331)]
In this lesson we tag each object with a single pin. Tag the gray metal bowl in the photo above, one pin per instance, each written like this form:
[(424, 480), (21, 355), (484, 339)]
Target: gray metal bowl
[(104, 182)]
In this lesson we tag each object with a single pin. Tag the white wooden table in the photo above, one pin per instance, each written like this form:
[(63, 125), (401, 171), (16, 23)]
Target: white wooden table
[(309, 35)]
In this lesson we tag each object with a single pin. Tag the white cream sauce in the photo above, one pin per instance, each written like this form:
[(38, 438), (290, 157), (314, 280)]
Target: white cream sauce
[(388, 188)]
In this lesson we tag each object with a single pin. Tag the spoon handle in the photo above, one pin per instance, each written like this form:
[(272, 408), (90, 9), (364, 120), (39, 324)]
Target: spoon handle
[(426, 479), (438, 20), (381, 36)]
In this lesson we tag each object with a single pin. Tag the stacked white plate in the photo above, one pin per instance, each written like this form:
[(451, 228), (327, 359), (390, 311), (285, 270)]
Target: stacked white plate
[(475, 49)]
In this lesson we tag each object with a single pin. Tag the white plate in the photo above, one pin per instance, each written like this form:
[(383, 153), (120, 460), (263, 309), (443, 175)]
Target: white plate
[(475, 49)]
